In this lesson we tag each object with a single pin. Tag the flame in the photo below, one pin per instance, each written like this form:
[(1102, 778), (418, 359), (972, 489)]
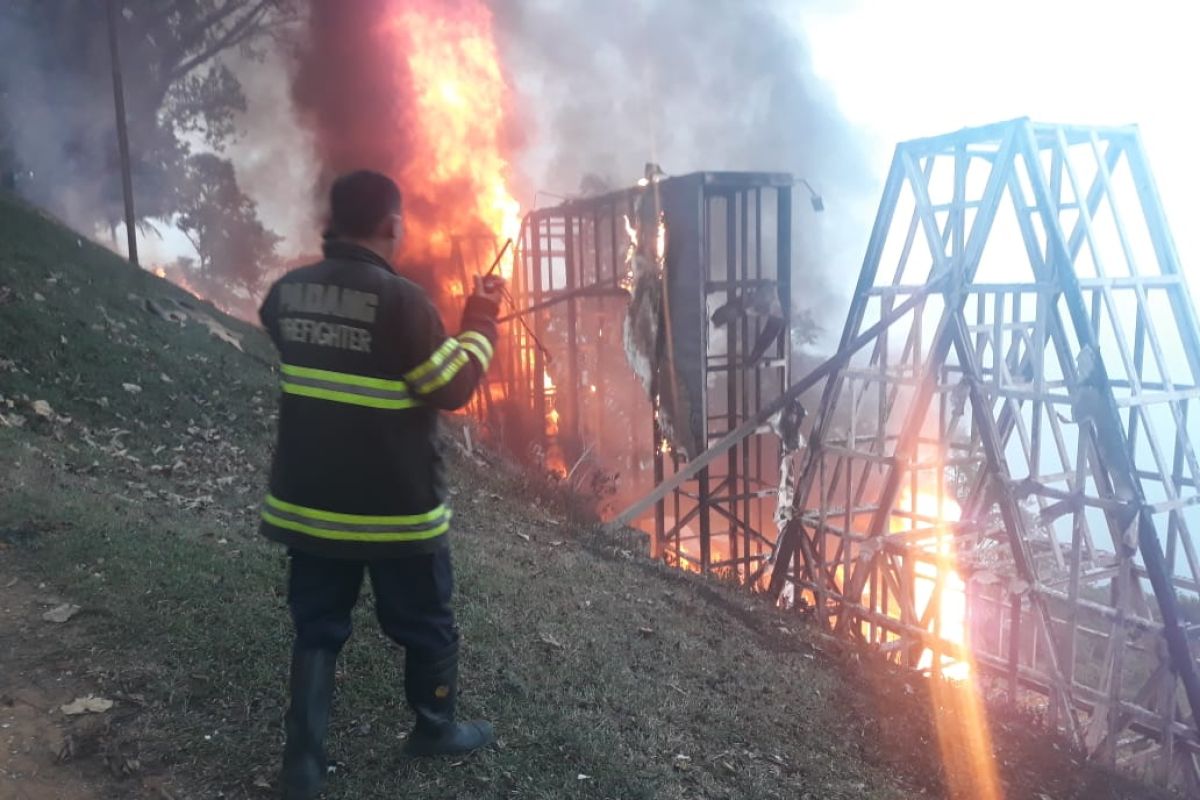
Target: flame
[(552, 414), (952, 605), (626, 280), (178, 276), (631, 253), (554, 463), (688, 557), (660, 240), (460, 172)]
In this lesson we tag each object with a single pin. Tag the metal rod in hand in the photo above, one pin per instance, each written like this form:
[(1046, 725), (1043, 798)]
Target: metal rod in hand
[(499, 257)]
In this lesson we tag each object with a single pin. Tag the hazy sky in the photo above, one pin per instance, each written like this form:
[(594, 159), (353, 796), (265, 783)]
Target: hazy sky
[(906, 68)]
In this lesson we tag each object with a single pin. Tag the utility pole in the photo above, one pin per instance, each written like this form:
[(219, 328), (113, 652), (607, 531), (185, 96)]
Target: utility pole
[(122, 133)]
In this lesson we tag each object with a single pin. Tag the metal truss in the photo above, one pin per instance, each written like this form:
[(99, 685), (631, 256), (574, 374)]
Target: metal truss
[(1006, 477), (729, 246), (721, 520)]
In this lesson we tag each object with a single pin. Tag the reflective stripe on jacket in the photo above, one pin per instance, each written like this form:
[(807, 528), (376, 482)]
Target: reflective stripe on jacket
[(365, 367)]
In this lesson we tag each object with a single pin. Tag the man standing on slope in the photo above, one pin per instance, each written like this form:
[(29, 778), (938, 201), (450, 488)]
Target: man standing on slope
[(357, 482)]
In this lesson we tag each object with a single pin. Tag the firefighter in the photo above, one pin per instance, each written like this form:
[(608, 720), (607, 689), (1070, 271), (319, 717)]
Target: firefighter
[(356, 485)]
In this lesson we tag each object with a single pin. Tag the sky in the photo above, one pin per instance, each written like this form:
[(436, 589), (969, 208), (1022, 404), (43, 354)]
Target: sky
[(900, 69)]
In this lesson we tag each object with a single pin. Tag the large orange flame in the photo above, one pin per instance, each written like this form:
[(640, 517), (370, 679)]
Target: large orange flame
[(460, 174)]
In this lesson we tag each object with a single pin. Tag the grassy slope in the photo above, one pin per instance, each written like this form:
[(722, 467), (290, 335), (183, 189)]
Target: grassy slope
[(608, 676)]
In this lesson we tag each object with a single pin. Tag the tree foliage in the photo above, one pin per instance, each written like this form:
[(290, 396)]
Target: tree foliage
[(180, 97), (222, 224)]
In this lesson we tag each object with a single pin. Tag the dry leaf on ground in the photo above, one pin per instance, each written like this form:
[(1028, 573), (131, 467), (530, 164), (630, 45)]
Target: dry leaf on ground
[(61, 613), (132, 388), (547, 639), (42, 409), (218, 330), (85, 705)]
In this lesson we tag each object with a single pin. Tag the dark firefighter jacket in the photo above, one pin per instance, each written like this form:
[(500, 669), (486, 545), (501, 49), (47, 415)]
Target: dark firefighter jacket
[(366, 365)]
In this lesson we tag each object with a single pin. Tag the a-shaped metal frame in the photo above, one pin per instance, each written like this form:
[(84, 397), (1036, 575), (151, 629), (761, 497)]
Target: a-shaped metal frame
[(1008, 477)]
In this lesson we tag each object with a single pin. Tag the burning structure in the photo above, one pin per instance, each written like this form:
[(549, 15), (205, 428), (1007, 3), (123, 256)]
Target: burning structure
[(690, 276), (999, 480)]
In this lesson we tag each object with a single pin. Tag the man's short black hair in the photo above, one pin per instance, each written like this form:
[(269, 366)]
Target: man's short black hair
[(359, 202)]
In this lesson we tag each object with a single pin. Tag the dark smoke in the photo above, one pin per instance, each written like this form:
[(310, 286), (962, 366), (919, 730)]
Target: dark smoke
[(57, 111), (345, 89)]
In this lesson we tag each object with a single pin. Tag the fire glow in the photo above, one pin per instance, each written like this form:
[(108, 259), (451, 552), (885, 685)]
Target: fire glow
[(952, 597), (458, 171)]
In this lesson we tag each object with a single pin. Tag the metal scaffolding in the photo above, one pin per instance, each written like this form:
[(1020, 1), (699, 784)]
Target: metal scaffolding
[(730, 246), (722, 518), (1005, 476), (561, 362)]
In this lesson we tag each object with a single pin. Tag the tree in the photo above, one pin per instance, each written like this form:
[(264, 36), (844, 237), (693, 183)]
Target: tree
[(222, 224), (178, 92)]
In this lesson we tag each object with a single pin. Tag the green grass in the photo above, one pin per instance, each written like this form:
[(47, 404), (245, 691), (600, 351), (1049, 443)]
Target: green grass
[(74, 329), (592, 660), (199, 630)]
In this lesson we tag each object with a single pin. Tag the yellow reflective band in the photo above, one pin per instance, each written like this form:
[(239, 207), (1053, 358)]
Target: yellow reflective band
[(356, 519), (478, 338), (435, 361), (446, 375), (343, 377), (480, 341), (347, 397), (356, 536), (480, 356)]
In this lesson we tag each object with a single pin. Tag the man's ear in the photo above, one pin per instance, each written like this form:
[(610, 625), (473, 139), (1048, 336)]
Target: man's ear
[(391, 227)]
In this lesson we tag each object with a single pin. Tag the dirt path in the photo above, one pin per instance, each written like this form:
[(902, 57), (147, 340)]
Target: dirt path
[(44, 753)]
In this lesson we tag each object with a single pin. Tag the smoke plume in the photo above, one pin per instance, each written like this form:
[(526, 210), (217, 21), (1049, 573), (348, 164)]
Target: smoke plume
[(56, 106), (718, 85), (346, 92)]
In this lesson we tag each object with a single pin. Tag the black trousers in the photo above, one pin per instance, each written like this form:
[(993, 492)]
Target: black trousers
[(412, 599)]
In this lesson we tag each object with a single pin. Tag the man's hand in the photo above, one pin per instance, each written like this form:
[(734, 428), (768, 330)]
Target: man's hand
[(490, 287)]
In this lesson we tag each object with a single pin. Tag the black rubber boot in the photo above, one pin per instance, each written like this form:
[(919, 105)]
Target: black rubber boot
[(307, 719), (431, 686)]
